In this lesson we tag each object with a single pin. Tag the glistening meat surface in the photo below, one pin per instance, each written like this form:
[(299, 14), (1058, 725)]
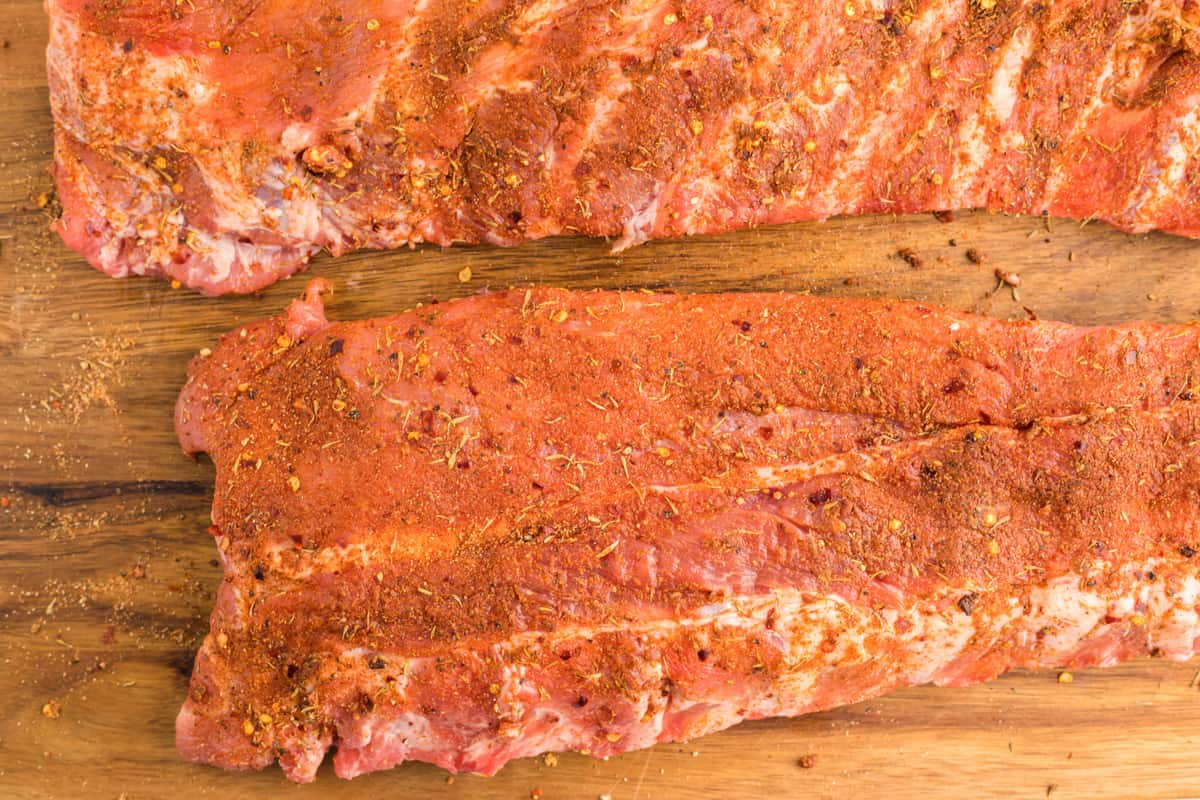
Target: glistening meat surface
[(224, 142), (544, 520)]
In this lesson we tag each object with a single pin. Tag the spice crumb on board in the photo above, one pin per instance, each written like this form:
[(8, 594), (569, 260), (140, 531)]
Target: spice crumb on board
[(807, 761), (910, 257), (89, 380), (75, 632), (1009, 278)]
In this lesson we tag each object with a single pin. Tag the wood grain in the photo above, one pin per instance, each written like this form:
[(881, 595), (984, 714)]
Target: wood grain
[(107, 574)]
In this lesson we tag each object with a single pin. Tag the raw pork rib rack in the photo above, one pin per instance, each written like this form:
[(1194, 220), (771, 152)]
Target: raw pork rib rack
[(542, 520), (224, 142)]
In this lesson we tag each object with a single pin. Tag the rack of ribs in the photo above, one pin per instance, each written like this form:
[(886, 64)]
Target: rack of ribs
[(223, 143), (542, 520)]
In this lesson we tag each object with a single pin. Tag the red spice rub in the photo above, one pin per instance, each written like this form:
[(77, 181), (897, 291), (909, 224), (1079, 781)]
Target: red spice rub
[(223, 143), (539, 520)]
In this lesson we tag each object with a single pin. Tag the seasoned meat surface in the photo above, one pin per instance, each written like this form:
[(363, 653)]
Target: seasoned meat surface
[(223, 142), (545, 520)]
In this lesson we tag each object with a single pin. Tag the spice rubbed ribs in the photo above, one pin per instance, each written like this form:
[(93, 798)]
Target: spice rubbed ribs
[(543, 520), (224, 142)]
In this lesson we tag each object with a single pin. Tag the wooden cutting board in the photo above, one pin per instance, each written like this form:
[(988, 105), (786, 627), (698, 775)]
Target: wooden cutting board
[(107, 573)]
